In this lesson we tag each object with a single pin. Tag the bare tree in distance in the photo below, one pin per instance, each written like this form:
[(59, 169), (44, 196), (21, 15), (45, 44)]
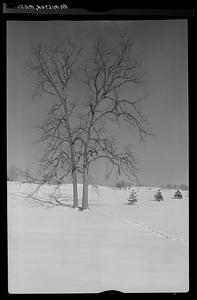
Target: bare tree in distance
[(122, 184), (13, 173), (53, 69), (105, 73)]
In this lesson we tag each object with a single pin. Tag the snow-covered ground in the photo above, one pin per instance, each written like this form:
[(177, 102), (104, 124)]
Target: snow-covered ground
[(140, 248)]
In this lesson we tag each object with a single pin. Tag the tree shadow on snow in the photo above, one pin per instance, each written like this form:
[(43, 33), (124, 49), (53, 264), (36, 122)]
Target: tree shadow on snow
[(50, 202), (155, 200)]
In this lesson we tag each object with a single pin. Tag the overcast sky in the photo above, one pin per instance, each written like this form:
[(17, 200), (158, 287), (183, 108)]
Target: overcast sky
[(162, 47)]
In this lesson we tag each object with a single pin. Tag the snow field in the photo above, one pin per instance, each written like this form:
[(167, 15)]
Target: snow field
[(141, 248)]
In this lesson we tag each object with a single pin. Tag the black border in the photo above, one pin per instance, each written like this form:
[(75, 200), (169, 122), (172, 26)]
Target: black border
[(130, 11)]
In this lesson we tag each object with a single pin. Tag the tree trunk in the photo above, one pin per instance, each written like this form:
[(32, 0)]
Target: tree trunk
[(74, 179), (75, 193), (73, 166), (85, 189)]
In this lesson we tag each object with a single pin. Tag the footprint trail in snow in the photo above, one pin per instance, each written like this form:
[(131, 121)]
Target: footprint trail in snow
[(145, 227)]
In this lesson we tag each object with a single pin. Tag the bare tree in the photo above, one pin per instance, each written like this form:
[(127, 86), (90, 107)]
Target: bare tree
[(105, 74), (68, 149), (53, 69)]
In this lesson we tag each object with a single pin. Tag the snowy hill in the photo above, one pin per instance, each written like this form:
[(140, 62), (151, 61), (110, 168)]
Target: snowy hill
[(55, 249)]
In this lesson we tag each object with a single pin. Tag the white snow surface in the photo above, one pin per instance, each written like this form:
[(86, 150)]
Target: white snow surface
[(111, 246)]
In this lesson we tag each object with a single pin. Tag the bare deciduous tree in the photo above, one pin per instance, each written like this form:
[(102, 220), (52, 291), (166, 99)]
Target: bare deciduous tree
[(105, 73), (53, 69), (71, 149)]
